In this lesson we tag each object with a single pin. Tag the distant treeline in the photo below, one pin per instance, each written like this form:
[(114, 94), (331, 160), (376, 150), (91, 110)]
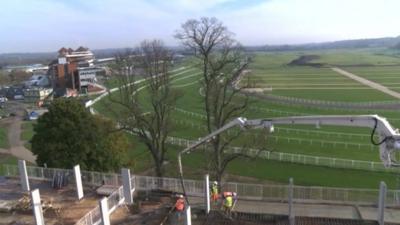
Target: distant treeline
[(46, 57), (389, 42)]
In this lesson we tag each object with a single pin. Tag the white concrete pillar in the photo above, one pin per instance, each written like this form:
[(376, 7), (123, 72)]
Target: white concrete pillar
[(78, 181), (188, 216), (290, 201), (127, 186), (23, 174), (207, 192), (381, 203), (105, 216), (37, 207)]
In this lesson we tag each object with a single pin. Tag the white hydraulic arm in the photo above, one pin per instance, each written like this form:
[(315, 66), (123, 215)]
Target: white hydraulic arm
[(389, 138)]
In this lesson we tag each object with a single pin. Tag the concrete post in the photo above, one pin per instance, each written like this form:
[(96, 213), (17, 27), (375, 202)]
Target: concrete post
[(78, 181), (127, 186), (105, 216), (188, 216), (381, 203), (290, 201), (23, 174), (207, 192), (37, 207)]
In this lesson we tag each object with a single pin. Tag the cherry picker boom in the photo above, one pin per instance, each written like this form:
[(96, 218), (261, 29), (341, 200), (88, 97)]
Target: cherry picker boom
[(389, 138)]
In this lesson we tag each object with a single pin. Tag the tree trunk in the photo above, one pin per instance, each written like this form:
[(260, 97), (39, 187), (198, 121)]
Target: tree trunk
[(158, 169)]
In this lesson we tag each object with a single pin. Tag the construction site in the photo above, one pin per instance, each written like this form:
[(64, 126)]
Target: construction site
[(38, 195), (41, 195)]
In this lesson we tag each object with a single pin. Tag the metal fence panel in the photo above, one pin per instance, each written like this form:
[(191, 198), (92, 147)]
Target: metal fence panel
[(245, 191)]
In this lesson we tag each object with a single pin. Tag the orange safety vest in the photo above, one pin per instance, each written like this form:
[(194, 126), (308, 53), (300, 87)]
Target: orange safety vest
[(180, 205)]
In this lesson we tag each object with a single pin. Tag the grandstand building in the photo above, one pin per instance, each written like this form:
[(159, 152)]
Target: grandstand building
[(73, 72)]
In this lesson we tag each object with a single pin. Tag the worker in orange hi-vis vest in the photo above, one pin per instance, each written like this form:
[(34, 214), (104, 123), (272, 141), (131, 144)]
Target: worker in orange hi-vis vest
[(214, 192), (180, 207)]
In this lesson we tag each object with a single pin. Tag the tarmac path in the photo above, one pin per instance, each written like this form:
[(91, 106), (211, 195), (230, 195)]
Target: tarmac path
[(17, 147), (366, 82)]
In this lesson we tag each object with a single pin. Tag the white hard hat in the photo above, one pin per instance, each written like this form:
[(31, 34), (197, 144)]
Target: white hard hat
[(180, 196), (215, 182)]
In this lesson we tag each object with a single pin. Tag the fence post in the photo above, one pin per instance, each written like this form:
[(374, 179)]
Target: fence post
[(78, 181), (116, 180), (37, 207), (290, 200), (381, 203), (105, 216), (7, 169), (126, 182), (207, 192), (23, 174), (188, 216), (92, 175), (42, 173)]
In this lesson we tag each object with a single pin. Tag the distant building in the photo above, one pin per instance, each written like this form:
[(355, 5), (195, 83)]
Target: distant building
[(15, 93), (36, 94), (73, 71), (26, 68), (41, 80)]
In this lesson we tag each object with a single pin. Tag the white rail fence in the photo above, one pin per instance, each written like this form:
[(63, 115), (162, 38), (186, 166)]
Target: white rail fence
[(93, 217), (289, 113), (338, 104), (195, 188), (308, 141), (301, 159), (285, 130)]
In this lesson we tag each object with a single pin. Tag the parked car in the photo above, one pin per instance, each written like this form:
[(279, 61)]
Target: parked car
[(3, 99), (32, 116)]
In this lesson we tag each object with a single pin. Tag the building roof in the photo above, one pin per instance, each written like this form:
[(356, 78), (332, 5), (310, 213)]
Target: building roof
[(82, 49)]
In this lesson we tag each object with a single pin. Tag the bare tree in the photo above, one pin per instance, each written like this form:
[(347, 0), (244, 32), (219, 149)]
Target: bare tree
[(147, 113), (222, 63), (4, 79)]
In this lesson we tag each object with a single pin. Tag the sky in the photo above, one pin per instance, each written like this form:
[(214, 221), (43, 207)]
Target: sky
[(47, 25)]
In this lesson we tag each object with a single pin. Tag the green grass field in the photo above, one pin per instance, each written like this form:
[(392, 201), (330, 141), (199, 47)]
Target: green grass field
[(3, 138), (6, 159), (272, 68), (350, 57), (271, 72), (388, 76), (262, 170), (27, 130)]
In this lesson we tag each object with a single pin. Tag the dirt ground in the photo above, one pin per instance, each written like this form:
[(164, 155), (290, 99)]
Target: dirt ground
[(59, 206)]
